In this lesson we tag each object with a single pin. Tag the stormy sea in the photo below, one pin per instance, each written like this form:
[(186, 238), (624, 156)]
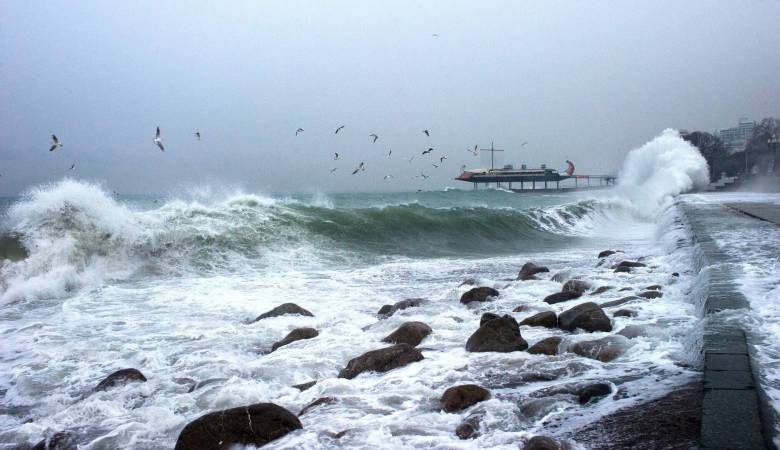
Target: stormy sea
[(175, 285)]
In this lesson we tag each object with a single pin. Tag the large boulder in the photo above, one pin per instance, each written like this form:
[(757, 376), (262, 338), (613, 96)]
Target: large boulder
[(605, 253), (560, 297), (411, 333), (626, 266), (650, 294), (529, 270), (545, 443), (605, 349), (478, 294), (547, 319), (487, 317), (389, 310), (381, 360), (591, 391), (461, 397), (547, 346), (119, 377), (256, 425), (296, 335), (625, 313), (588, 316), (576, 286), (284, 309), (497, 335)]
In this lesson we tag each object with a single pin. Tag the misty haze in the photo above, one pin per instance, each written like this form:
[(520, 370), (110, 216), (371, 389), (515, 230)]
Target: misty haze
[(534, 225)]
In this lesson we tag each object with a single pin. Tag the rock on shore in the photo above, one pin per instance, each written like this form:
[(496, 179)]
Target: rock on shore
[(588, 316), (284, 309), (411, 333), (547, 319), (256, 425), (389, 310), (381, 360), (119, 377), (461, 397), (497, 335), (296, 335), (529, 271), (478, 294)]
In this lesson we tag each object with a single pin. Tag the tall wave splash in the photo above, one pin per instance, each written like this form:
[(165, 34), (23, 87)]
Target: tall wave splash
[(78, 235)]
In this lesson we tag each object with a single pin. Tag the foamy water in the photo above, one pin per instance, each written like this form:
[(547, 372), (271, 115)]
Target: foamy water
[(169, 288)]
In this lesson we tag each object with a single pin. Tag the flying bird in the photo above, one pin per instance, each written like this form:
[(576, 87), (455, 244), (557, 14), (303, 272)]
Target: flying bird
[(72, 166), (441, 160), (435, 35), (388, 176), (334, 169), (425, 152), (463, 168), (434, 165), (197, 134), (158, 141), (359, 168), (422, 174), (336, 156), (410, 159), (523, 143), (54, 143), (389, 153), (338, 129), (475, 152), (373, 136), (427, 133), (299, 130)]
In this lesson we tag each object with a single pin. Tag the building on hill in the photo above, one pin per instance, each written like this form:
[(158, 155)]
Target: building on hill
[(735, 138)]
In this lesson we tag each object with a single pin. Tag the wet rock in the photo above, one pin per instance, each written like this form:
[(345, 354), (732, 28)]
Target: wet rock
[(521, 308), (545, 443), (605, 349), (591, 391), (606, 253), (619, 301), (487, 317), (576, 286), (560, 297), (633, 331), (389, 310), (296, 335), (381, 360), (624, 313), (120, 377), (588, 316), (411, 333), (284, 309), (303, 386), (626, 266), (479, 294), (256, 425), (497, 335), (675, 274), (655, 287), (650, 294), (547, 346), (624, 289), (62, 440), (547, 319), (623, 269), (316, 403), (601, 290), (461, 397), (469, 428), (529, 271)]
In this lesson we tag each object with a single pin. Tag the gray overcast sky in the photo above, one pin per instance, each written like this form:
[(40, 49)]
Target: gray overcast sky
[(583, 80)]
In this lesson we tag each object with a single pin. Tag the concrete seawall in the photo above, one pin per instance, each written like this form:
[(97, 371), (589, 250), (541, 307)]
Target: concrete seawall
[(731, 412)]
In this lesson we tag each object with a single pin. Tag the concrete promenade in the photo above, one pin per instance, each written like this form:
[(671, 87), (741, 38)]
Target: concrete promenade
[(731, 415), (768, 212)]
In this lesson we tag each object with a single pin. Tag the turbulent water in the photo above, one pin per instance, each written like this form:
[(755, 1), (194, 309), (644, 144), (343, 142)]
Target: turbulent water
[(170, 285)]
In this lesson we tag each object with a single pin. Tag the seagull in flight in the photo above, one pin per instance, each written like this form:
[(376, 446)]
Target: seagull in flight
[(359, 168), (373, 135), (434, 165), (463, 168), (336, 156), (158, 141), (338, 129), (410, 159), (427, 133), (299, 130), (197, 134), (334, 169), (422, 174), (441, 160), (475, 152), (388, 176), (54, 143), (425, 152), (72, 166), (389, 153), (523, 143)]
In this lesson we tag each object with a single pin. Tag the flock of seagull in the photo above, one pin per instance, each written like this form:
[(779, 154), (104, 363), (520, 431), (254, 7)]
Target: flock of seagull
[(55, 144)]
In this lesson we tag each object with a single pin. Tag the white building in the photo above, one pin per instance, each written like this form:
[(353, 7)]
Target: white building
[(736, 138)]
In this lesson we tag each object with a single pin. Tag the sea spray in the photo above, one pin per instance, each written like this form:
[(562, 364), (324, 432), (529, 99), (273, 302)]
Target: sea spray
[(660, 169)]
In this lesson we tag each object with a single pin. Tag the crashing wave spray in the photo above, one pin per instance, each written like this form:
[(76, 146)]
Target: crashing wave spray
[(662, 168)]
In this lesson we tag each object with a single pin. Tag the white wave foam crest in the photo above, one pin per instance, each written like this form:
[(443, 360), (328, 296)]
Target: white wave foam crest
[(662, 168), (75, 233)]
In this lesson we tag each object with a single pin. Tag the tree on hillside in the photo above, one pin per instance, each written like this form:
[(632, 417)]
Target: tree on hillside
[(712, 148), (759, 153)]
